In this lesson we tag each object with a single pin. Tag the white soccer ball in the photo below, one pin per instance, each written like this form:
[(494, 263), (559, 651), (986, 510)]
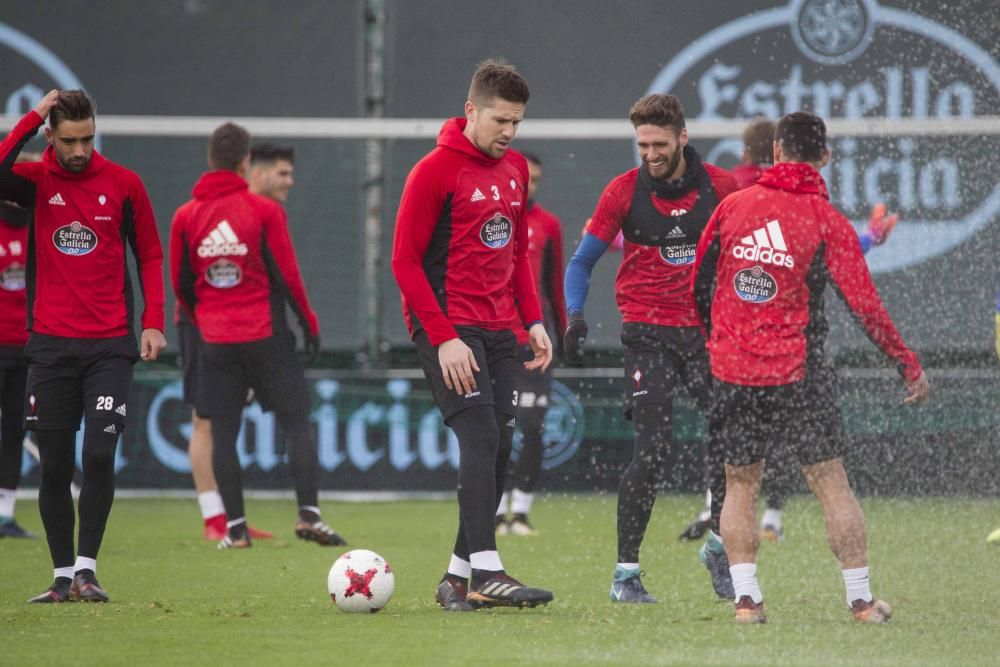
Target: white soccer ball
[(361, 581)]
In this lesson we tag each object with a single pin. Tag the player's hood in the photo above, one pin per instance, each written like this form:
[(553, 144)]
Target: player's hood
[(797, 177), (215, 184), (94, 165), (451, 137)]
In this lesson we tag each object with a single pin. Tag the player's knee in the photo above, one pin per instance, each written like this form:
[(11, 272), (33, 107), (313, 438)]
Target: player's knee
[(100, 439)]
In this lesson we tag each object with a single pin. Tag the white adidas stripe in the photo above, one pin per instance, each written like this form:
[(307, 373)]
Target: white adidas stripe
[(228, 232), (760, 237)]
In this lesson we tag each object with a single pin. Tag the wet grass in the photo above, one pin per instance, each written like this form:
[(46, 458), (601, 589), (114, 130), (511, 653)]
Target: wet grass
[(176, 600)]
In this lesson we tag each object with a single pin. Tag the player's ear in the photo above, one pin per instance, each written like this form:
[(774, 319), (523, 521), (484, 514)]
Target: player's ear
[(825, 160), (470, 111), (48, 134)]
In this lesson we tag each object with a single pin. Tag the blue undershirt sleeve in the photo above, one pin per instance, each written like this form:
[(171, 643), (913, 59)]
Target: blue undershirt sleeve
[(581, 265)]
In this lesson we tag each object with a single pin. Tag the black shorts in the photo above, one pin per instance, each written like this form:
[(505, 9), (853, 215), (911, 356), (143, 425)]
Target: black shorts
[(189, 339), (270, 367), (659, 360), (794, 421), (69, 378), (496, 381), (13, 377), (533, 387)]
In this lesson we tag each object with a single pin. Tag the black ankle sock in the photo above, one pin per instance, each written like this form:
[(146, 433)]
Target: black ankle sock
[(62, 581), (86, 574), (480, 577), (308, 516)]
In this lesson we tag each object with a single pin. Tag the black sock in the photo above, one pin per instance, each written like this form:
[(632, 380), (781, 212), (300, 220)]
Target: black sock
[(637, 492), (226, 463), (303, 459), (97, 491), (55, 502), (478, 441), (529, 462)]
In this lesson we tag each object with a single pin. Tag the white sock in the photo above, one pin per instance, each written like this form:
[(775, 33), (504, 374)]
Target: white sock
[(486, 560), (520, 501), (211, 505), (856, 583), (309, 508), (459, 567), (745, 581), (7, 498), (83, 563), (628, 566), (504, 504), (772, 517), (236, 522), (64, 572)]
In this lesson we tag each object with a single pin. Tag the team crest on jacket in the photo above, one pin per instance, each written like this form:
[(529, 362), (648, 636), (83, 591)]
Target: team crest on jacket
[(755, 285), (74, 239), (12, 278), (223, 274), (496, 231)]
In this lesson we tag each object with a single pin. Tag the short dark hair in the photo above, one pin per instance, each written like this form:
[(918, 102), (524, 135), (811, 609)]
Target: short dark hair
[(228, 147), (495, 78), (270, 153), (758, 139), (73, 105), (802, 136), (532, 158), (658, 109)]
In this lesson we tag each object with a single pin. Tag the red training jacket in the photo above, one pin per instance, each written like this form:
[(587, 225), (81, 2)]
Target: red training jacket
[(648, 288), (13, 296), (747, 174), (232, 264), (460, 248), (77, 275), (545, 255), (768, 251)]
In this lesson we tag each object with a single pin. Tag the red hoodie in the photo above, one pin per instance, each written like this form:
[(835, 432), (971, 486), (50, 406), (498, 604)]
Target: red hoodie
[(232, 263), (460, 249), (768, 251), (77, 275)]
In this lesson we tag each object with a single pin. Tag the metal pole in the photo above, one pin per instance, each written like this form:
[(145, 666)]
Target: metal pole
[(374, 179)]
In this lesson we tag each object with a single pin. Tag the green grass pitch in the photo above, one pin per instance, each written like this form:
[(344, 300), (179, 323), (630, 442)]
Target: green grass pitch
[(176, 600)]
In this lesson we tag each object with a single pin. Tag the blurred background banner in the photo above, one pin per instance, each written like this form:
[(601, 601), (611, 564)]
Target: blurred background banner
[(359, 87), (380, 431)]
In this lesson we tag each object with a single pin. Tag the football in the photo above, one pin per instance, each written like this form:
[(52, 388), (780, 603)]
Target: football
[(361, 581)]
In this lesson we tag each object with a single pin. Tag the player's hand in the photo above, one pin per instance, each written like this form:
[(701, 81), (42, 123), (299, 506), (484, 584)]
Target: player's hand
[(312, 348), (574, 338), (917, 390), (541, 346), (47, 103), (153, 342), (880, 223), (457, 364)]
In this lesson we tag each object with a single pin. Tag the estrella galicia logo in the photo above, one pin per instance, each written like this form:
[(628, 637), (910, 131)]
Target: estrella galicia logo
[(678, 255), (223, 274), (74, 239), (496, 231), (755, 285), (564, 427), (12, 278), (855, 59)]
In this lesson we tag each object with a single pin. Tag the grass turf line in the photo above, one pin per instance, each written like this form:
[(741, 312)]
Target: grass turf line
[(176, 599)]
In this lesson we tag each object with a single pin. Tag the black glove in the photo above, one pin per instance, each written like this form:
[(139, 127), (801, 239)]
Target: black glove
[(312, 348), (574, 338)]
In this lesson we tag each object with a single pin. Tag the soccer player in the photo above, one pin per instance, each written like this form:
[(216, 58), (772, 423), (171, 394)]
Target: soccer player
[(758, 155), (83, 211), (232, 266), (660, 208), (763, 263), (546, 258), (13, 363), (460, 257), (270, 175)]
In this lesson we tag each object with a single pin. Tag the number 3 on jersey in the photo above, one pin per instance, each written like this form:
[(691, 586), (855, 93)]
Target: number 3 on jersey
[(496, 192)]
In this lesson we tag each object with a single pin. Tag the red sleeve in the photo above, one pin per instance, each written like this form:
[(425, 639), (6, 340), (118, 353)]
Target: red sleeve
[(419, 211), (556, 273), (725, 183), (525, 286), (849, 275), (611, 210), (278, 241), (148, 256), (178, 248), (15, 140)]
